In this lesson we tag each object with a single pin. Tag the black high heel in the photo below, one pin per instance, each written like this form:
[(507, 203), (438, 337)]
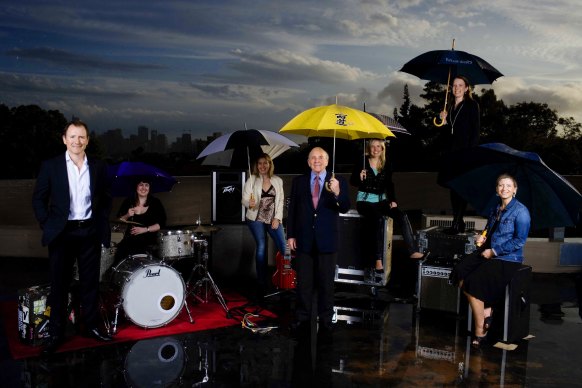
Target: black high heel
[(478, 341)]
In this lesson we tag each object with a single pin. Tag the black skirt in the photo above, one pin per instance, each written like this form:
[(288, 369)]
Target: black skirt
[(484, 279)]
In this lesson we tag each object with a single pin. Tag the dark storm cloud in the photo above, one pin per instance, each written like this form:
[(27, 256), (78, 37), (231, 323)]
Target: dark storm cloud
[(34, 85), (74, 61)]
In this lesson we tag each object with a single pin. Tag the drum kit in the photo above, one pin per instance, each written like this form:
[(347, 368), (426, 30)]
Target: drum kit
[(149, 289)]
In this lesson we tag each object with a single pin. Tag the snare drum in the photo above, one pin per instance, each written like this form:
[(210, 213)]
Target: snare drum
[(152, 293), (174, 244), (154, 362)]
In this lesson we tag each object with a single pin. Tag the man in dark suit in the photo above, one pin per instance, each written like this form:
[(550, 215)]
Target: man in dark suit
[(71, 202), (312, 231)]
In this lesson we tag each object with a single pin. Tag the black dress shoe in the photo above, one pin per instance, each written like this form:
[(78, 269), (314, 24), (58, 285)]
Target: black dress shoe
[(99, 336), (52, 345)]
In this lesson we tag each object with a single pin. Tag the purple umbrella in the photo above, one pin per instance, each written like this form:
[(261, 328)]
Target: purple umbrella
[(126, 175)]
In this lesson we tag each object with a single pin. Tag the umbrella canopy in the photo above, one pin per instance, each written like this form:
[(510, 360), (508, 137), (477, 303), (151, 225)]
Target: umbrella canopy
[(243, 146), (391, 123), (444, 65), (551, 199), (336, 121), (126, 175)]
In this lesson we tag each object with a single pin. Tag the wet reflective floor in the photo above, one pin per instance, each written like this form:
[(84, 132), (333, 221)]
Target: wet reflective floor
[(380, 340)]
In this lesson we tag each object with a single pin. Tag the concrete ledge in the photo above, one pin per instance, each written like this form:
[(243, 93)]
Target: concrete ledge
[(21, 241), (544, 256)]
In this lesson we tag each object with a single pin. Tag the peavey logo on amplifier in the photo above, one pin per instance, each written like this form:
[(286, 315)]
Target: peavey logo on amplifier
[(150, 274), (436, 272), (228, 189)]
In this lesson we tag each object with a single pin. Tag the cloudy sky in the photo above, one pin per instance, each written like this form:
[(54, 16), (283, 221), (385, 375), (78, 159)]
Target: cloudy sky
[(214, 65)]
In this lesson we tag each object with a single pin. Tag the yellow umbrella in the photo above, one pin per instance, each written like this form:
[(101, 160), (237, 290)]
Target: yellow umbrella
[(336, 121)]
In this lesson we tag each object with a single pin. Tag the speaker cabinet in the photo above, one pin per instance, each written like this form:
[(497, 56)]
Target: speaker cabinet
[(227, 188), (435, 290), (511, 319)]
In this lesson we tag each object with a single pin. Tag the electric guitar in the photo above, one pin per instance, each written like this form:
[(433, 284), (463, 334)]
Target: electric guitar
[(285, 276)]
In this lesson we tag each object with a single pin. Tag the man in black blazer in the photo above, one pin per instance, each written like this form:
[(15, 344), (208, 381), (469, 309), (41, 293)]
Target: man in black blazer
[(312, 232), (71, 202)]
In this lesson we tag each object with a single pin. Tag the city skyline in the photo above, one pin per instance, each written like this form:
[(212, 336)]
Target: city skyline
[(210, 66)]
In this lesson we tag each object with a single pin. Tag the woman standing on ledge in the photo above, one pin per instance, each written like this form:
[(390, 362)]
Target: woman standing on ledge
[(463, 126)]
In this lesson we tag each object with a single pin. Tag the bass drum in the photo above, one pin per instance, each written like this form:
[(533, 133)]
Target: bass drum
[(152, 293), (156, 362)]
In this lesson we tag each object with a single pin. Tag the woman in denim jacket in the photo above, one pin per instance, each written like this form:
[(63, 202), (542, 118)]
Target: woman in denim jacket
[(484, 274)]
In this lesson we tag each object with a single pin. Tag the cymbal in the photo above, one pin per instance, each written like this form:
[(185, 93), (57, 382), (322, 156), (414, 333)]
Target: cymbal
[(204, 229)]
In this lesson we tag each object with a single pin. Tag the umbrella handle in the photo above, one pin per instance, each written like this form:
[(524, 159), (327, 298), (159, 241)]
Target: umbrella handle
[(434, 121), (327, 185)]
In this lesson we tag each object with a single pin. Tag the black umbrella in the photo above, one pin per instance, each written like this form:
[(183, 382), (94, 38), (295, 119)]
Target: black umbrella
[(552, 201), (238, 148), (443, 65)]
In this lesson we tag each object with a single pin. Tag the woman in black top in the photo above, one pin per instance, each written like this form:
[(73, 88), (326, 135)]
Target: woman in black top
[(375, 199), (463, 124), (147, 216)]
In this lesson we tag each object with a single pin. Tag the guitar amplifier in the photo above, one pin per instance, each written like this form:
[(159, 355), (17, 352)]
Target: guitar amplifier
[(436, 242), (435, 291)]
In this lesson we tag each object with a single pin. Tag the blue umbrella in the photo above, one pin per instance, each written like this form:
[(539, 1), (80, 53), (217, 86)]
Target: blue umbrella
[(126, 175), (551, 199)]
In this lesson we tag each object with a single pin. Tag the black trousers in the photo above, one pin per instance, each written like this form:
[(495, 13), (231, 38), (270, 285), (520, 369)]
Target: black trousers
[(372, 233), (315, 272), (83, 245), (459, 205)]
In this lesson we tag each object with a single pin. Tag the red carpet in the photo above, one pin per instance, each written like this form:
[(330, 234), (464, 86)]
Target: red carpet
[(206, 316)]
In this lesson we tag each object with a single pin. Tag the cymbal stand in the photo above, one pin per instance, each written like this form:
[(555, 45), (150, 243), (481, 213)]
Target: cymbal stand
[(205, 282)]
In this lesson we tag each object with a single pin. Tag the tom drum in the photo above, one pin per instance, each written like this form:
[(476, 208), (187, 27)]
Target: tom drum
[(173, 244)]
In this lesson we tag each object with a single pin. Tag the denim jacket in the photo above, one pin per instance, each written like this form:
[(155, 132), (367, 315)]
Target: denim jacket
[(509, 238)]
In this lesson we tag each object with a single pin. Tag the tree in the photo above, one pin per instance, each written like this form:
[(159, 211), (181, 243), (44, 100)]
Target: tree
[(530, 126), (493, 116)]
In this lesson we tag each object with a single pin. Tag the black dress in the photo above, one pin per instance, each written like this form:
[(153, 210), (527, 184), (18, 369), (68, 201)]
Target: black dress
[(372, 233), (141, 243), (485, 279)]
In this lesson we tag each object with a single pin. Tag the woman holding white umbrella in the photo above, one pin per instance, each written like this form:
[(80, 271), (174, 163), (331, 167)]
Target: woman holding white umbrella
[(263, 197)]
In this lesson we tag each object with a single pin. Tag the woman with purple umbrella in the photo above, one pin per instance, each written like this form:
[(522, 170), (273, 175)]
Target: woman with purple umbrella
[(145, 216)]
